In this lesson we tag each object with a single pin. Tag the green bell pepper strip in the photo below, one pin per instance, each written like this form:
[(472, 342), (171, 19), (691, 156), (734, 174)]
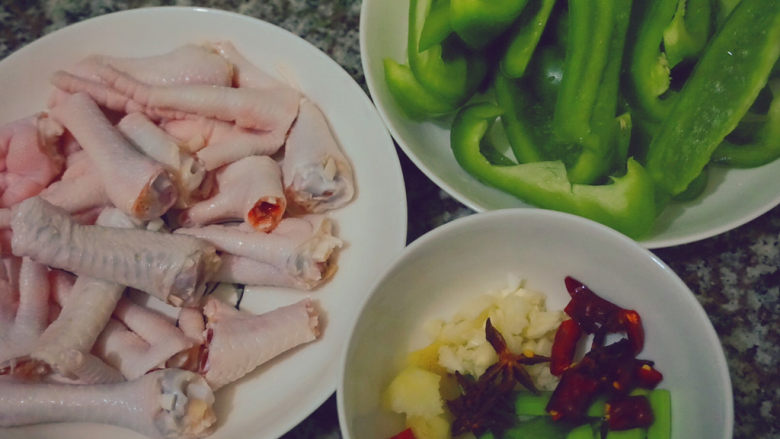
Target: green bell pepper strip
[(546, 73), (649, 68), (689, 31), (436, 27), (517, 118), (661, 403), (413, 99), (633, 433), (605, 132), (722, 10), (590, 29), (529, 404), (479, 22), (584, 431), (626, 204), (525, 37), (696, 188), (731, 72), (447, 69), (765, 146), (530, 132), (541, 427)]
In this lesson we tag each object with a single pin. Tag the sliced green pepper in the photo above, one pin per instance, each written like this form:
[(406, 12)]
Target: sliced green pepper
[(649, 68), (696, 188), (605, 132), (584, 431), (763, 147), (546, 74), (413, 99), (541, 427), (722, 10), (519, 114), (528, 404), (626, 204), (533, 135), (447, 69), (437, 25), (588, 49), (478, 22), (661, 403), (525, 37), (732, 70), (687, 34), (633, 433), (436, 81)]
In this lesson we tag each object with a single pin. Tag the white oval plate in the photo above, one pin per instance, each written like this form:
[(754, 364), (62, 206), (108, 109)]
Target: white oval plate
[(277, 396), (732, 198)]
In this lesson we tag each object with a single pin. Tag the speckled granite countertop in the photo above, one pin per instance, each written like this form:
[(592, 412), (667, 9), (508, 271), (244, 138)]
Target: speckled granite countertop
[(735, 276)]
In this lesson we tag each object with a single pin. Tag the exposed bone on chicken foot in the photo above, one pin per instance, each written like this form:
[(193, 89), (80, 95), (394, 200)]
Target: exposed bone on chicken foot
[(317, 174), (300, 247)]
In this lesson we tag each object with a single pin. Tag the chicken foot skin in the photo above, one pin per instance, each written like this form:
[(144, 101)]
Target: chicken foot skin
[(187, 171), (139, 339), (303, 248), (30, 319), (66, 343), (317, 175), (249, 190), (271, 109), (241, 341), (173, 268), (169, 403), (187, 64), (136, 184)]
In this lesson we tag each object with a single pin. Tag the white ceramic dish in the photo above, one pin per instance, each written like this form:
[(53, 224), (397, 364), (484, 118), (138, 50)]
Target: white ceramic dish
[(275, 397), (435, 275), (732, 198)]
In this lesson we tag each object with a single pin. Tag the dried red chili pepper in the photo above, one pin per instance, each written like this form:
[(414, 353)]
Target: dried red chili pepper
[(612, 369), (630, 321), (628, 412), (598, 316), (573, 395), (406, 434), (647, 376), (587, 308), (564, 346)]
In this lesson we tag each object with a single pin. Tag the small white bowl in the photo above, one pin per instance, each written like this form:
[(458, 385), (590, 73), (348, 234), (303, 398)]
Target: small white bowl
[(732, 197), (435, 275)]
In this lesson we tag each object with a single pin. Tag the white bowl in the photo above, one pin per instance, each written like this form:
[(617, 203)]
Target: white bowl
[(732, 197), (435, 275)]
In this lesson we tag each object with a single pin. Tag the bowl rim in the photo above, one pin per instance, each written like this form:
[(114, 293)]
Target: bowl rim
[(466, 222)]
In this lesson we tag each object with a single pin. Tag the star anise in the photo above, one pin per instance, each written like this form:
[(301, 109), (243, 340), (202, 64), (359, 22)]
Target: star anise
[(486, 404), (480, 408), (508, 370)]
